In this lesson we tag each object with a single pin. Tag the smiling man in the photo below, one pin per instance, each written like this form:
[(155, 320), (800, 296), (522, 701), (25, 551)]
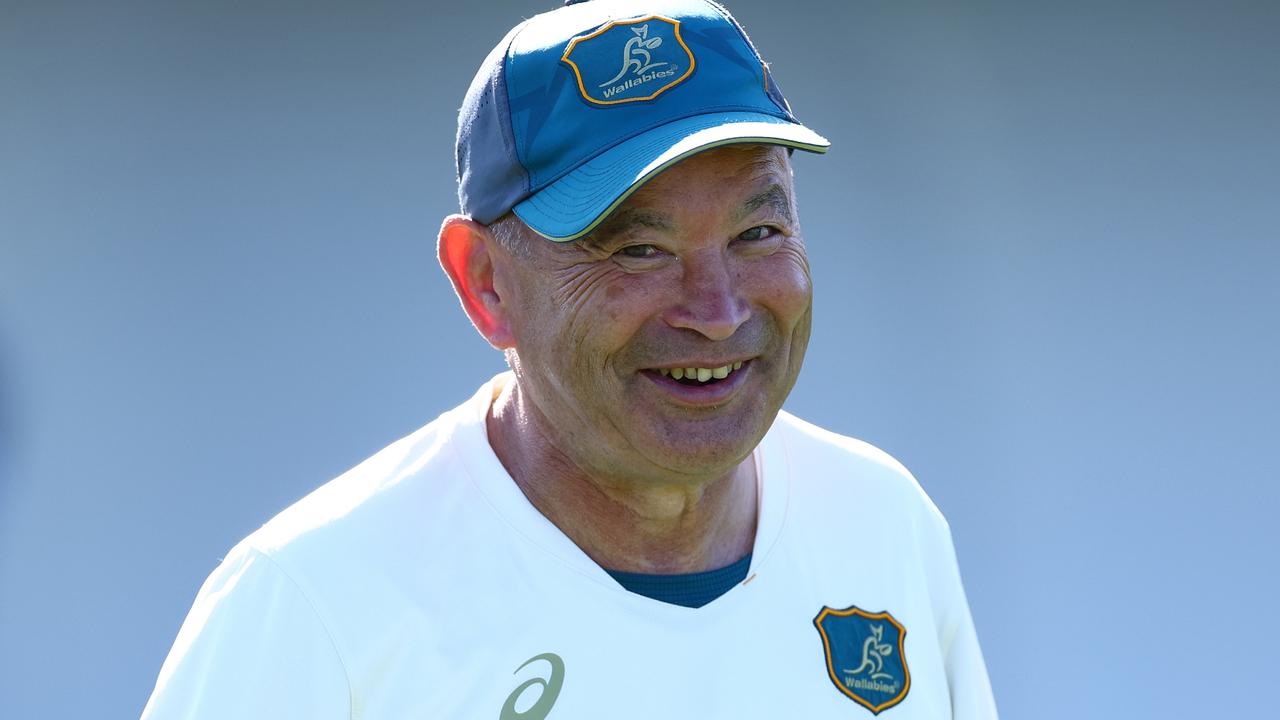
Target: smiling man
[(648, 359), (625, 525)]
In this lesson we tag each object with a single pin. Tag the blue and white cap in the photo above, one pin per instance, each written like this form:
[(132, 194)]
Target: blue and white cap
[(578, 107)]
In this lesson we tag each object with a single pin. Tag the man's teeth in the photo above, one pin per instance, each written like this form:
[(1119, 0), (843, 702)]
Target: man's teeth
[(700, 374)]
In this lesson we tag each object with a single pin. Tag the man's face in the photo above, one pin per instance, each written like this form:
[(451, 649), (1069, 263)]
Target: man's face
[(703, 267)]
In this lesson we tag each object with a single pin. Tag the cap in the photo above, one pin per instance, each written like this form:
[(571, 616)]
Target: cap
[(578, 107)]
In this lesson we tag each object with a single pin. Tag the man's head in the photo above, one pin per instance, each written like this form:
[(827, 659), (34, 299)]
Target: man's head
[(646, 276), (664, 342)]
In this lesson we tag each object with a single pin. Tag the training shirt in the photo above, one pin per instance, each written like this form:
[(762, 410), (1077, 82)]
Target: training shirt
[(423, 584)]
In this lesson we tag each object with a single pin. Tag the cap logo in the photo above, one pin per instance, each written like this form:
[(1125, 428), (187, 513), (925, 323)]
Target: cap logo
[(629, 60)]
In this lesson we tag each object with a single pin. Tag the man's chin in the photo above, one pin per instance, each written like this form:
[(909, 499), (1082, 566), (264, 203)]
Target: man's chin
[(701, 450)]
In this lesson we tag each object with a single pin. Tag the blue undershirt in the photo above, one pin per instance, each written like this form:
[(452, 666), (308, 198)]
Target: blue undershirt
[(691, 589)]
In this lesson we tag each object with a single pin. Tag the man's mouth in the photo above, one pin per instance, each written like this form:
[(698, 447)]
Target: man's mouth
[(695, 376)]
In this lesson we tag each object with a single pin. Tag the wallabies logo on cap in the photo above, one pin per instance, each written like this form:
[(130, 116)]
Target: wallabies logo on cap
[(629, 60), (865, 654)]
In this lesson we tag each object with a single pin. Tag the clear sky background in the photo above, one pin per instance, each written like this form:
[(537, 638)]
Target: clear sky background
[(1047, 272)]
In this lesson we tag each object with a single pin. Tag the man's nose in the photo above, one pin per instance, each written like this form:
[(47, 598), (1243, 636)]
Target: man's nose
[(710, 301)]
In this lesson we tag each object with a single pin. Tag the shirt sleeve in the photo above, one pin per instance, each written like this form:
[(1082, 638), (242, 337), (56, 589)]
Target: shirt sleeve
[(251, 648), (971, 697)]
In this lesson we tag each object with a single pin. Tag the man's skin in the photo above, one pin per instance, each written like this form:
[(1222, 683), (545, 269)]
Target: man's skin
[(703, 266)]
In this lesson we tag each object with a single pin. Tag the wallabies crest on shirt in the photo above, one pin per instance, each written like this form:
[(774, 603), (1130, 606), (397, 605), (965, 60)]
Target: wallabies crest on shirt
[(865, 656)]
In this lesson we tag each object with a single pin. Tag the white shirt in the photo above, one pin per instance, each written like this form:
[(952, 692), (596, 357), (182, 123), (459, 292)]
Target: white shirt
[(423, 584)]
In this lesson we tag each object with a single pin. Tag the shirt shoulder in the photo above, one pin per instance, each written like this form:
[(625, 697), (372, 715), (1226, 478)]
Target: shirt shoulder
[(847, 470), (353, 496), (391, 510), (251, 647)]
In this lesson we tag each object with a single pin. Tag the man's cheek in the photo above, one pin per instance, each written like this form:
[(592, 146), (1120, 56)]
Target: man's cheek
[(784, 286)]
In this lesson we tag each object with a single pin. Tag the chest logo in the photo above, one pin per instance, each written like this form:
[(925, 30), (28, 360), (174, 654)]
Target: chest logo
[(865, 655), (540, 705), (629, 60)]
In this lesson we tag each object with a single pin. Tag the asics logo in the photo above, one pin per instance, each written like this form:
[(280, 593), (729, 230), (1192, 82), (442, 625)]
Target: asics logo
[(547, 694)]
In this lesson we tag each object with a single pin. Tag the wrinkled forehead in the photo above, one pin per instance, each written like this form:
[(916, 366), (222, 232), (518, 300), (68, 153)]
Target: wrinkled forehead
[(737, 181)]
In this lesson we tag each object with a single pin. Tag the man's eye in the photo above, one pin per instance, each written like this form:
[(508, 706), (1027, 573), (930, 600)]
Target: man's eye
[(638, 251), (759, 232)]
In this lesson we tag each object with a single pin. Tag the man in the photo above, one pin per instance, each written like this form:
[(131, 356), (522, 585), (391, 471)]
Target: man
[(625, 525)]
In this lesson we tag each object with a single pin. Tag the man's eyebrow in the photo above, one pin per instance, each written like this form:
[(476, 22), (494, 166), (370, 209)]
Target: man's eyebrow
[(622, 221), (774, 196)]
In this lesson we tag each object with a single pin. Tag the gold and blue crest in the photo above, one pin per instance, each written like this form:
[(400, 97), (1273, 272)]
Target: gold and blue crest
[(630, 60), (866, 656)]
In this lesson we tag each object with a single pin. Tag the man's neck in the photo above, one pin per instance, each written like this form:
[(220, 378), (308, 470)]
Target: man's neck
[(646, 524)]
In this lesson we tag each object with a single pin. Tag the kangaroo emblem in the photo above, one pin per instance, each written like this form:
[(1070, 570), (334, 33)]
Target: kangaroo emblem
[(865, 655), (635, 54), (874, 651)]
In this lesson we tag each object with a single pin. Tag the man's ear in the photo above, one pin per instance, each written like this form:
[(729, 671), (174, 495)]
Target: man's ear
[(467, 253)]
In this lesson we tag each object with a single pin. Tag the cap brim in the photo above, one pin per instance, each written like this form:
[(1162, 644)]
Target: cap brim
[(573, 205)]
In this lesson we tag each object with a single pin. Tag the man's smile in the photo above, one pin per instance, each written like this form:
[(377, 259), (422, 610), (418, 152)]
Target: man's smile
[(697, 374), (699, 385)]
